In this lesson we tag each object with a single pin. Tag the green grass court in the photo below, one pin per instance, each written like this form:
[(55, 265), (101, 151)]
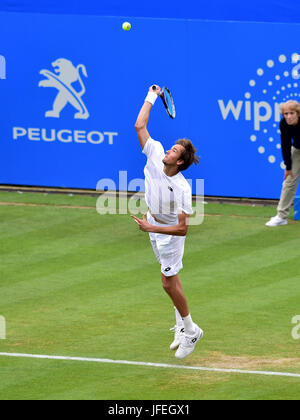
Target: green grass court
[(74, 283)]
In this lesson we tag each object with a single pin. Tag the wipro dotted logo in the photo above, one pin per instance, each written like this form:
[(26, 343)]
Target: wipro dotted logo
[(274, 82)]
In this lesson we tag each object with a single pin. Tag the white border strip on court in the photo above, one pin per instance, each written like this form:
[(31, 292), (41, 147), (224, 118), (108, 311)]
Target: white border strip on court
[(159, 365)]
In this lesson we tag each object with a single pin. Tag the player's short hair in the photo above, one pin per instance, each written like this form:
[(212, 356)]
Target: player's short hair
[(188, 155), (293, 105)]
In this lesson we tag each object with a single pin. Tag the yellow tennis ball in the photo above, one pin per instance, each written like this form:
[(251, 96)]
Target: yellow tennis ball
[(126, 26)]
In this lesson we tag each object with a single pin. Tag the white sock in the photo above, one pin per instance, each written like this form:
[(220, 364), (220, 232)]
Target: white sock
[(179, 320), (189, 326)]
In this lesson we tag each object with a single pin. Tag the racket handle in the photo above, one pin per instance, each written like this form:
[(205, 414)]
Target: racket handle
[(154, 87)]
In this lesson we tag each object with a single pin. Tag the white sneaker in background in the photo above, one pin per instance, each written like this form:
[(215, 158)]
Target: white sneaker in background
[(277, 221)]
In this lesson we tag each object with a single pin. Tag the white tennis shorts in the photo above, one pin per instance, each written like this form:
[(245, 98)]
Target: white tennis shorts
[(168, 249)]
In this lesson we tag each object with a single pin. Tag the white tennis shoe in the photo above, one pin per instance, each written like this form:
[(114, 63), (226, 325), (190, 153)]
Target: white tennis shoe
[(179, 333), (276, 221), (188, 343)]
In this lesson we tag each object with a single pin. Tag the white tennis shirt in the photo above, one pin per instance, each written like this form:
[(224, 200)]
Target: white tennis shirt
[(165, 196)]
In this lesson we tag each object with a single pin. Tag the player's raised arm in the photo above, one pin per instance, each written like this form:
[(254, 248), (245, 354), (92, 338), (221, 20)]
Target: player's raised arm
[(143, 117)]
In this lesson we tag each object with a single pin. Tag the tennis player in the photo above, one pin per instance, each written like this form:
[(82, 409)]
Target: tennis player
[(169, 198)]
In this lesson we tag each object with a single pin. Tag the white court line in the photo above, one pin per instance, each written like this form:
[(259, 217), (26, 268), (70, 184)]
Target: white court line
[(159, 365)]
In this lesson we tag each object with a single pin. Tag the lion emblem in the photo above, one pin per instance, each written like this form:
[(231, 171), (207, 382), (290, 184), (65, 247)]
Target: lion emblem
[(65, 74)]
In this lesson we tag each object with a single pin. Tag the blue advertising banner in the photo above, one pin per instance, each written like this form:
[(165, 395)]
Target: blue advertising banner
[(232, 10), (71, 88)]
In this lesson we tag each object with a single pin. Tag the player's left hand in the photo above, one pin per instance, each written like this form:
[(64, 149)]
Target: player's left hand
[(142, 223)]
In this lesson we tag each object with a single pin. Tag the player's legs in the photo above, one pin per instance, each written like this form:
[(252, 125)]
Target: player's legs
[(173, 287), (185, 342), (169, 252)]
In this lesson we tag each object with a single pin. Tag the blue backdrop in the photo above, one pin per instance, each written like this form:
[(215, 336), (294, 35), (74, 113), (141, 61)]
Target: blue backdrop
[(74, 126), (249, 11)]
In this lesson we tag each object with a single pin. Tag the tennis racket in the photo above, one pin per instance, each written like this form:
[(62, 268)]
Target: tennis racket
[(168, 101)]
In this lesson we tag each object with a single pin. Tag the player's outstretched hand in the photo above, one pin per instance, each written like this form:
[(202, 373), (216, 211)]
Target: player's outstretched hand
[(142, 223)]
